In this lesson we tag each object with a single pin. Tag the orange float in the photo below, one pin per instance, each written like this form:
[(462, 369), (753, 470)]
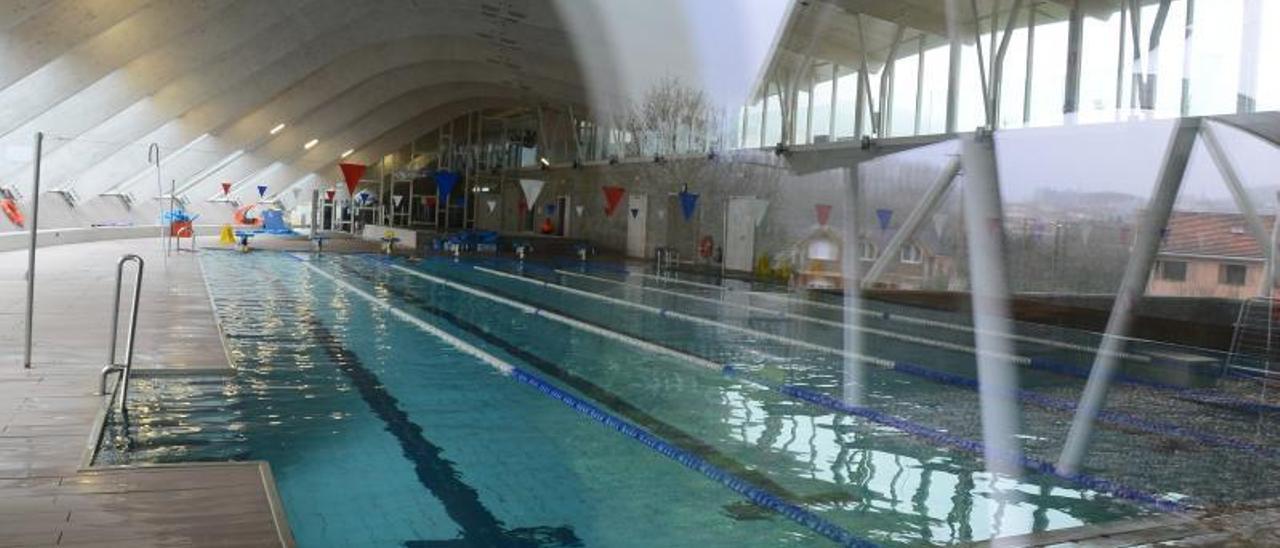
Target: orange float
[(240, 219), (11, 211)]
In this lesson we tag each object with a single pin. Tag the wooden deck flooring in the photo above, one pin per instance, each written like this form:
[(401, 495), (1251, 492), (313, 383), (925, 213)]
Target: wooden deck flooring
[(47, 413)]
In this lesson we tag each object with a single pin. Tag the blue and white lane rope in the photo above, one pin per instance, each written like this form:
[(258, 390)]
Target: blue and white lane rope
[(1025, 396), (1020, 360), (1036, 363), (884, 315), (755, 494), (804, 394)]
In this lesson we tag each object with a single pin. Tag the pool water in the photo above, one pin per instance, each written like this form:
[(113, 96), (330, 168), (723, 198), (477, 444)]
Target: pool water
[(381, 433)]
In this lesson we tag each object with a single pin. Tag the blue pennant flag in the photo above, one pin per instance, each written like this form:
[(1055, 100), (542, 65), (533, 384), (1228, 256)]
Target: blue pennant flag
[(688, 201), (551, 209), (262, 191), (884, 215), (445, 180)]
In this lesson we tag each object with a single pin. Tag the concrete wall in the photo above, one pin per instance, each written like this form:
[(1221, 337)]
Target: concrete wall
[(10, 241)]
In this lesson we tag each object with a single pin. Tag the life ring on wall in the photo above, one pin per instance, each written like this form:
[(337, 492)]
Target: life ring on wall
[(706, 246), (11, 211)]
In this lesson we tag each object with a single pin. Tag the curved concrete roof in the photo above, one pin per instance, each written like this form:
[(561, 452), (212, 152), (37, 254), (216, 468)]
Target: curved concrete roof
[(207, 80)]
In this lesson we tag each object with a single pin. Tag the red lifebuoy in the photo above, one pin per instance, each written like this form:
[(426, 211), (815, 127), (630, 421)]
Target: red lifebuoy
[(11, 211), (705, 246)]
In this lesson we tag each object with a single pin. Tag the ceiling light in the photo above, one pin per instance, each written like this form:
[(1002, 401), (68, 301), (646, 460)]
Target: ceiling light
[(279, 127), (544, 161), (349, 152), (310, 144)]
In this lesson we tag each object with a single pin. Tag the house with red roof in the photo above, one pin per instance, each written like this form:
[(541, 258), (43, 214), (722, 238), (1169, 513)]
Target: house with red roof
[(1209, 255)]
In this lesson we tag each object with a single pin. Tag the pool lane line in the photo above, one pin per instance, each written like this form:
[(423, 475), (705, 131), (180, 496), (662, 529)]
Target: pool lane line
[(1042, 364), (437, 474), (886, 315), (596, 392), (1228, 402), (1032, 463), (1020, 360), (1113, 418), (736, 484)]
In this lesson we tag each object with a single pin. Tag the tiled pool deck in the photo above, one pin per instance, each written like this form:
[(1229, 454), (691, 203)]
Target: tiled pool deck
[(48, 412)]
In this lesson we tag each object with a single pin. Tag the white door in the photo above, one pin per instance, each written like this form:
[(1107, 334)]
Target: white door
[(637, 223), (740, 234)]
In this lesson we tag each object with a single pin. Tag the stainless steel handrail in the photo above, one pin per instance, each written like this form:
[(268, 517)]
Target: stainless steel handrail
[(122, 367)]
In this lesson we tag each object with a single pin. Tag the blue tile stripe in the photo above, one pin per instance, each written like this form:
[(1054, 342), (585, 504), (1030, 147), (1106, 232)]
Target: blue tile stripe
[(752, 493)]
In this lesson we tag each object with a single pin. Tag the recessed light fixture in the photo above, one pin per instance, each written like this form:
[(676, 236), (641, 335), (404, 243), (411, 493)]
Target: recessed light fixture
[(310, 144), (279, 127), (544, 161), (349, 152)]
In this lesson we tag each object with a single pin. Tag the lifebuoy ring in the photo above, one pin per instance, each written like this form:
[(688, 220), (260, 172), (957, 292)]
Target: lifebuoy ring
[(11, 211), (706, 246)]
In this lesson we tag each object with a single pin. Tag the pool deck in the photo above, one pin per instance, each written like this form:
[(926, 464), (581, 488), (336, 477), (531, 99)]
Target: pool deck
[(48, 412)]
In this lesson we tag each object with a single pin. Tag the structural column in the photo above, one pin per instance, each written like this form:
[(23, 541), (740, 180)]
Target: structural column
[(1132, 287), (989, 288)]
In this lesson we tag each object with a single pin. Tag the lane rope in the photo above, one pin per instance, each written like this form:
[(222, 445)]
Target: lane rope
[(756, 495)]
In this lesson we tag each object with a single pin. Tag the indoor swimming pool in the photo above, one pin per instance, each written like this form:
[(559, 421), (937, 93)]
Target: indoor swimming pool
[(493, 403)]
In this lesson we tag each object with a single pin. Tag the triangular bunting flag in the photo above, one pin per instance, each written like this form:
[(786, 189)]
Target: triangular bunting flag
[(688, 202), (635, 213), (884, 216), (445, 181), (396, 199), (492, 204), (262, 191), (551, 209), (824, 213), (579, 209), (531, 187), (612, 197), (351, 173), (226, 188), (328, 194)]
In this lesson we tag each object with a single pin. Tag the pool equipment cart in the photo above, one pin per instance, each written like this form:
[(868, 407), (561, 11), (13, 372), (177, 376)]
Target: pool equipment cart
[(126, 365)]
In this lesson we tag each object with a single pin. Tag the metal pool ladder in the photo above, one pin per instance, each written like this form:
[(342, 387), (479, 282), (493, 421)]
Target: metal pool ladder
[(112, 365)]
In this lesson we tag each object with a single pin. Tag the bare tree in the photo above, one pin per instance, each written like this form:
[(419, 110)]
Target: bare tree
[(672, 118)]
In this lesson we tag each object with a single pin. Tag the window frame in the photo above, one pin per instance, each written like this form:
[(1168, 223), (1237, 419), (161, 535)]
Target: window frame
[(1225, 278), (1165, 274)]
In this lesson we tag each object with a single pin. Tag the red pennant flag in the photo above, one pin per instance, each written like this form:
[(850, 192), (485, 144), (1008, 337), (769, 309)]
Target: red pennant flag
[(328, 194), (352, 174), (612, 196), (824, 213), (226, 188), (430, 201)]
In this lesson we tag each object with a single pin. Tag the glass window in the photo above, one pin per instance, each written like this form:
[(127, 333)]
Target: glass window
[(933, 109), (772, 121), (1173, 271), (902, 118), (821, 126), (846, 101), (1231, 274), (869, 251), (802, 117), (911, 254), (752, 123)]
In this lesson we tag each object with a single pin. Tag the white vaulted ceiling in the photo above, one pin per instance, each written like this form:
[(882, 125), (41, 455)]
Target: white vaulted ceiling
[(206, 80)]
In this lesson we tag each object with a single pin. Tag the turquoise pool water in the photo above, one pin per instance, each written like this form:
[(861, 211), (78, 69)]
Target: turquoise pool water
[(381, 433)]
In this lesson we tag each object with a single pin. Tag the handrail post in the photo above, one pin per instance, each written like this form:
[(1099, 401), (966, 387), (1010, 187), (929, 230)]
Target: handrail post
[(124, 367)]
